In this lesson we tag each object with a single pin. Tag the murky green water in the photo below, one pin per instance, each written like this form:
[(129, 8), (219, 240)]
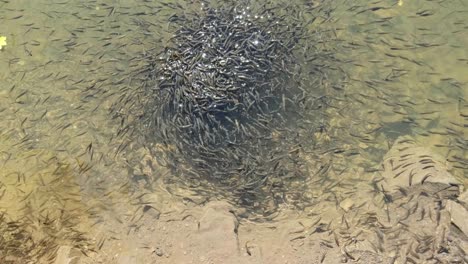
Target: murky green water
[(66, 178)]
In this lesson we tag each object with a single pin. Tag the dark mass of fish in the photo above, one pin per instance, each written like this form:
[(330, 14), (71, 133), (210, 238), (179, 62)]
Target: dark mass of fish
[(224, 78), (224, 90)]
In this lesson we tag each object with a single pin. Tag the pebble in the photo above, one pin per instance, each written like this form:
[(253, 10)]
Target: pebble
[(458, 215)]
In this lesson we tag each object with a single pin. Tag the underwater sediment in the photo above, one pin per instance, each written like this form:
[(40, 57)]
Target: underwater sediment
[(396, 86)]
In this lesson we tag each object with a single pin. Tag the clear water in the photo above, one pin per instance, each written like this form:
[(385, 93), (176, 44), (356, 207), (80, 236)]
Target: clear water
[(62, 175)]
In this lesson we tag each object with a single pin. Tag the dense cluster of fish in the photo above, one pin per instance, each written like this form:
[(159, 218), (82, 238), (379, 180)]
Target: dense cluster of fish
[(229, 80), (224, 79), (36, 226)]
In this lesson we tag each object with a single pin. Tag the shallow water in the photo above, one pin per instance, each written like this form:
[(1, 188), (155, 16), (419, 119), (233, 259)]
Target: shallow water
[(69, 180)]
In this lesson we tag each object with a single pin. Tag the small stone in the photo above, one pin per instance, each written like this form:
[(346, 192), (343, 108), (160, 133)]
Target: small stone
[(346, 204), (458, 215), (159, 252)]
